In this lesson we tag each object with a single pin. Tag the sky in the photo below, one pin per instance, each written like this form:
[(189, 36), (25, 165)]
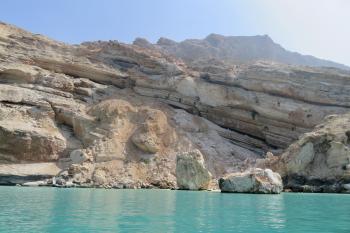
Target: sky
[(314, 27)]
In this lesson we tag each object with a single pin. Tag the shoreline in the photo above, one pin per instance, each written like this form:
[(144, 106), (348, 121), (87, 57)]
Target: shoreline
[(157, 188)]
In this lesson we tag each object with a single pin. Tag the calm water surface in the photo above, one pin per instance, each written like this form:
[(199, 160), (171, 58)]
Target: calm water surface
[(98, 210)]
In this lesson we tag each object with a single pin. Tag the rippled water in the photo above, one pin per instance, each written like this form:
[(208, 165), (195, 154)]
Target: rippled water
[(99, 210)]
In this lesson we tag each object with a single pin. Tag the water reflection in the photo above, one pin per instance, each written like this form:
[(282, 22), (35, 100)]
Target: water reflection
[(271, 212), (98, 210), (112, 211), (214, 212)]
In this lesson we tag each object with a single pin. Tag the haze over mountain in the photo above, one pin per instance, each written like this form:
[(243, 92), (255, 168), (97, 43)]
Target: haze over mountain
[(238, 49)]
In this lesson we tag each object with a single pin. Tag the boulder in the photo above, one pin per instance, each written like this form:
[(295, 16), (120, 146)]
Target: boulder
[(191, 173), (78, 156), (60, 181), (252, 181), (346, 187)]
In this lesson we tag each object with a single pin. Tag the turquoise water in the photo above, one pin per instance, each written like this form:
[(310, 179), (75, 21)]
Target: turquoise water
[(98, 210)]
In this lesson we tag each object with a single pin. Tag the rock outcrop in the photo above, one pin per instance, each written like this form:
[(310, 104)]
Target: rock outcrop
[(12, 174), (320, 160), (109, 114), (191, 173), (252, 181)]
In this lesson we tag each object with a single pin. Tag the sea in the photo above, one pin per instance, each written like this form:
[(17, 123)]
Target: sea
[(44, 209)]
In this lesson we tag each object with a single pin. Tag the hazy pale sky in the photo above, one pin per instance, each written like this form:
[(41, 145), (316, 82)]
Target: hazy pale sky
[(315, 27)]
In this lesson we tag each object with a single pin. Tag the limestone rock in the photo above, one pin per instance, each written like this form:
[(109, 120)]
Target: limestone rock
[(12, 174), (319, 158), (99, 177), (145, 142), (252, 181), (305, 156), (78, 156), (154, 133), (191, 172), (132, 109)]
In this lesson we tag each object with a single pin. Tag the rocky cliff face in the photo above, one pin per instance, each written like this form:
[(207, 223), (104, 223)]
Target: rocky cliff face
[(118, 115), (320, 160)]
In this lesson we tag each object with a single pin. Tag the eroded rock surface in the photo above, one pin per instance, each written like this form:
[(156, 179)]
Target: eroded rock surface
[(191, 173), (319, 160), (109, 114), (11, 174), (252, 181)]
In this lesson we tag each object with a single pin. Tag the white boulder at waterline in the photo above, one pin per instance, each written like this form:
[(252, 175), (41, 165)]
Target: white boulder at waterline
[(253, 181)]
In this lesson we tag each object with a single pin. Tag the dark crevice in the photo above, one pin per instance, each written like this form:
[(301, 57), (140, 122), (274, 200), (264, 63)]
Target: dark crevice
[(21, 103), (254, 115), (12, 180), (347, 133), (176, 107), (259, 151), (122, 63), (251, 136)]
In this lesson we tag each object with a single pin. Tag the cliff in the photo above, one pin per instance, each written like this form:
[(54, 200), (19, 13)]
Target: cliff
[(320, 160), (118, 115)]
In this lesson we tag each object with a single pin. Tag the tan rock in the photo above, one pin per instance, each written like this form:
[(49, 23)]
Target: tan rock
[(99, 177), (191, 172), (133, 109), (300, 162), (147, 142), (338, 155), (322, 154)]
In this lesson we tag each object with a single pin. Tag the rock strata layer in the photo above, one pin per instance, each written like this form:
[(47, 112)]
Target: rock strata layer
[(109, 114)]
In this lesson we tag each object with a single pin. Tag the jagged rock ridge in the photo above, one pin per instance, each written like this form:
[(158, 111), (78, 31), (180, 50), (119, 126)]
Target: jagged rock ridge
[(238, 49)]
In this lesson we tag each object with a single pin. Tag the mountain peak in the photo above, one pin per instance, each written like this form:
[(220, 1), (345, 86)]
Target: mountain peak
[(241, 49), (142, 42), (215, 39), (166, 42)]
